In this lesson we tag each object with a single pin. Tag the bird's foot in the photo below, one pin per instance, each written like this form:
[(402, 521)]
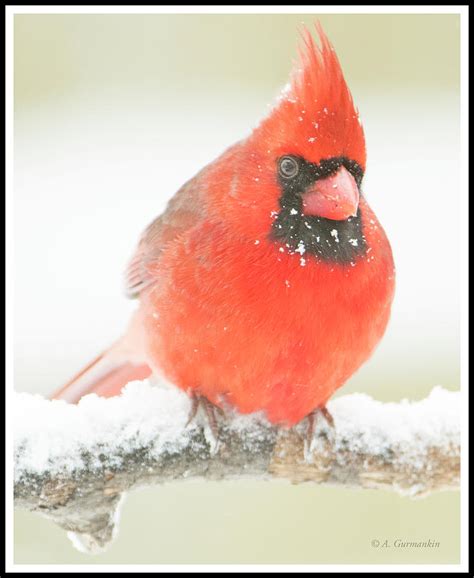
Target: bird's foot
[(211, 429), (310, 438)]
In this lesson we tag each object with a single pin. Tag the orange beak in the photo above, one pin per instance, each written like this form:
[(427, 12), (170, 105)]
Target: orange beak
[(335, 197)]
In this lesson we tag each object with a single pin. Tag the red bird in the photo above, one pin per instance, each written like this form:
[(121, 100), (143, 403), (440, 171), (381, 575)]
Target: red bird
[(268, 280)]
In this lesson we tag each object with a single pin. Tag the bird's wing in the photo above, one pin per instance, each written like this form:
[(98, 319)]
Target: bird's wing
[(184, 210)]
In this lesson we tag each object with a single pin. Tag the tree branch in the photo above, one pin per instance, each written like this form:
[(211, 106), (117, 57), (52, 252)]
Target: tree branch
[(74, 462)]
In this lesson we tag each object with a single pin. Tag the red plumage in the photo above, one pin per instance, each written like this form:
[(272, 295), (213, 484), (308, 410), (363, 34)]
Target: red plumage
[(246, 296)]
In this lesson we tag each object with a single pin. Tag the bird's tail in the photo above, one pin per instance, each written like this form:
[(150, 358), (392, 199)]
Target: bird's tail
[(106, 376)]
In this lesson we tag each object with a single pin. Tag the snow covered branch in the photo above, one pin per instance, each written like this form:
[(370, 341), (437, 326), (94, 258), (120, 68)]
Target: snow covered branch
[(73, 463)]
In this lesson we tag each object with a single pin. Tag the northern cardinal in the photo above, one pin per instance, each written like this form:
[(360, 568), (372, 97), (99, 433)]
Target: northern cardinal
[(268, 280)]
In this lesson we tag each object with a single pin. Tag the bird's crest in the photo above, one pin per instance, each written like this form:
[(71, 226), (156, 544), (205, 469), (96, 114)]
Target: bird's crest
[(315, 114)]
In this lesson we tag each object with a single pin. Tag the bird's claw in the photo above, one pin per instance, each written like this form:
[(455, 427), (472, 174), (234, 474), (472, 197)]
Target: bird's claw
[(211, 428), (310, 438)]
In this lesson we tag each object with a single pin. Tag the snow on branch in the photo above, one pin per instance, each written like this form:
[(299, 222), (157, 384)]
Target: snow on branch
[(73, 463)]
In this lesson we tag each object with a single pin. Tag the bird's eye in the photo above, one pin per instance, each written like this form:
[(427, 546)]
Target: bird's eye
[(288, 167)]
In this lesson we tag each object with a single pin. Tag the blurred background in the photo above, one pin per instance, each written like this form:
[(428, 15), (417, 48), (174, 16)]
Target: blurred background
[(112, 114)]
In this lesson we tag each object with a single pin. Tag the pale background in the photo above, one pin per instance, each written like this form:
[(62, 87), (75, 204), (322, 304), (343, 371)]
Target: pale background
[(112, 114)]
